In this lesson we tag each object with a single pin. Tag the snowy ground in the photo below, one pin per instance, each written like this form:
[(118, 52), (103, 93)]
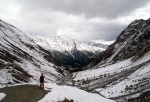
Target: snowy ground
[(134, 80), (2, 95), (103, 70), (59, 93), (117, 67), (139, 79), (143, 74)]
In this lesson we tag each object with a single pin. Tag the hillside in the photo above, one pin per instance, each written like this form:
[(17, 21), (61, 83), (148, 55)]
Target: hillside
[(122, 71), (21, 59), (128, 43)]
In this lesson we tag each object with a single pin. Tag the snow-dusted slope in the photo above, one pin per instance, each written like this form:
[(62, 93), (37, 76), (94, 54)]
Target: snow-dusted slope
[(123, 71), (135, 84), (21, 59), (2, 95), (128, 43), (120, 81)]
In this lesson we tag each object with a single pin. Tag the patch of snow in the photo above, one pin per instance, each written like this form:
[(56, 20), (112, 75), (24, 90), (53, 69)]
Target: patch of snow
[(2, 96), (59, 93), (145, 70), (5, 77), (105, 69)]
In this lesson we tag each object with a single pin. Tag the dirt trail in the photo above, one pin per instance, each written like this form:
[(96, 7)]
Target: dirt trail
[(23, 93)]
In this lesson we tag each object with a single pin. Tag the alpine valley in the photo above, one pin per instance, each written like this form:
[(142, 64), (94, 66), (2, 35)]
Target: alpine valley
[(85, 71), (71, 54)]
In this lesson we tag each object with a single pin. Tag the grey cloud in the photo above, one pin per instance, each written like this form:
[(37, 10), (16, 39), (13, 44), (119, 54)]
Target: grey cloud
[(106, 31), (71, 17), (88, 8), (102, 30)]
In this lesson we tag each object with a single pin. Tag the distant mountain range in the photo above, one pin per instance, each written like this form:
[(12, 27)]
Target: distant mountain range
[(70, 53)]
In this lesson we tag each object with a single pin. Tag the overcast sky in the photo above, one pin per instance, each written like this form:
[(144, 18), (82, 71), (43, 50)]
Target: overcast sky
[(79, 19)]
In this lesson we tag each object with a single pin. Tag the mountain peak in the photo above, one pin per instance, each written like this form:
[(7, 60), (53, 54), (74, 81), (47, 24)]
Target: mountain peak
[(130, 41)]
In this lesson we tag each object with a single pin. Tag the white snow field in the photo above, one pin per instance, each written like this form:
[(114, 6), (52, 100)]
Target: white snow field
[(59, 93), (106, 69), (2, 95)]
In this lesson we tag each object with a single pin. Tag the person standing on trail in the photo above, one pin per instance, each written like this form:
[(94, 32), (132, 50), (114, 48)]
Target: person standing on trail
[(42, 81)]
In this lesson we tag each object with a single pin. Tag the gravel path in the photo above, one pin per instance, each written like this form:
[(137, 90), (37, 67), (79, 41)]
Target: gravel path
[(23, 93)]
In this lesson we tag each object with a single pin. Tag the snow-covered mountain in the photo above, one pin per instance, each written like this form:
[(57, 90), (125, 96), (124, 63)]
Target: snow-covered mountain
[(62, 44), (128, 43), (21, 59), (69, 53), (122, 71)]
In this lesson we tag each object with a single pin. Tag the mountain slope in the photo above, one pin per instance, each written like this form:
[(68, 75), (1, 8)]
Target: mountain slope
[(122, 71), (21, 59), (130, 41)]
